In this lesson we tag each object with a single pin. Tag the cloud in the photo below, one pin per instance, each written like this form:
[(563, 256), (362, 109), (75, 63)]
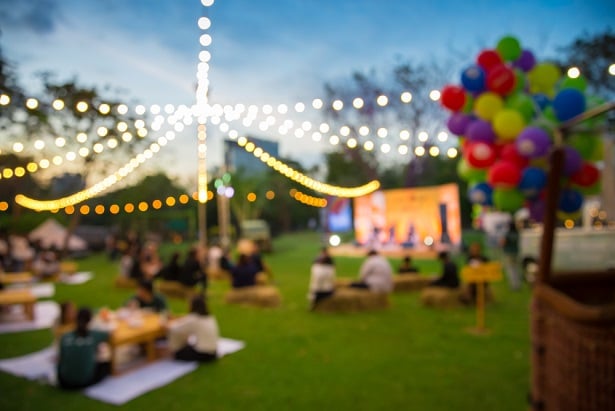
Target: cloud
[(39, 16)]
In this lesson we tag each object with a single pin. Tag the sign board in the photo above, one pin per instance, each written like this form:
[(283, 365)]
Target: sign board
[(482, 273)]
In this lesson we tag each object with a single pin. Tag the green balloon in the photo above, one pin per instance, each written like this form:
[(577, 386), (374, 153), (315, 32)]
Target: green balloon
[(509, 48), (520, 80), (469, 173), (507, 200), (592, 190), (523, 103), (584, 143), (579, 83), (469, 104)]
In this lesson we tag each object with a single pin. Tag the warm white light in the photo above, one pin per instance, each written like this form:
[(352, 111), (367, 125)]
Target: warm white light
[(404, 134), (299, 133), (169, 108), (60, 141), (385, 148), (612, 69), (442, 136), (267, 109), (32, 103), (282, 109), (142, 132), (428, 241), (351, 143), (98, 148), (345, 131), (334, 140), (4, 100), (126, 136), (434, 151), (70, 156), (122, 109), (205, 40), (57, 160), (104, 108), (316, 136), (419, 151), (423, 136), (233, 134), (337, 105), (306, 125), (140, 109), (358, 103), (112, 143), (299, 107), (382, 100), (335, 240), (57, 104), (403, 150), (154, 109), (102, 131), (451, 152), (83, 151), (121, 126), (44, 163), (368, 145), (573, 72), (434, 95), (363, 130), (406, 97), (317, 103), (204, 23), (17, 147), (242, 141), (39, 144), (382, 132), (82, 137), (207, 3)]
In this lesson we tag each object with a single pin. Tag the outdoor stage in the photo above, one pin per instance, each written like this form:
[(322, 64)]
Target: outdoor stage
[(393, 251)]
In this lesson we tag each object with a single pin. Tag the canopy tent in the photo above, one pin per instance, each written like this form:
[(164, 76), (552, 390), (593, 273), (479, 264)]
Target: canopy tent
[(53, 234)]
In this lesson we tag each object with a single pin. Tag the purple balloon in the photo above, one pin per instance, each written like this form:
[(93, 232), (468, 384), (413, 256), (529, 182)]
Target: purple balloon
[(533, 142), (480, 130), (526, 61), (572, 161), (537, 210), (458, 122)]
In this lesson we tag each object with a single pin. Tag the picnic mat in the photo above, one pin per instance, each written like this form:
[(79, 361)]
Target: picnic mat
[(42, 290), (76, 278), (14, 320), (117, 390)]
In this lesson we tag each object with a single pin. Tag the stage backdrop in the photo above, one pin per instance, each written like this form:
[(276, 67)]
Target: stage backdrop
[(409, 216)]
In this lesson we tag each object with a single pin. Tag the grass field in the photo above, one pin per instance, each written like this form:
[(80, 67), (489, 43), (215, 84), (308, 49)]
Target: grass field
[(407, 357)]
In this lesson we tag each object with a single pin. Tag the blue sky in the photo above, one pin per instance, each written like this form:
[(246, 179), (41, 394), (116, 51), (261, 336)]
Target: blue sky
[(269, 51)]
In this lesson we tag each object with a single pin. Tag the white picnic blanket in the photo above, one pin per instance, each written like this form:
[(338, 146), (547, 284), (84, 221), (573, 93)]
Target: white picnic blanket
[(14, 320)]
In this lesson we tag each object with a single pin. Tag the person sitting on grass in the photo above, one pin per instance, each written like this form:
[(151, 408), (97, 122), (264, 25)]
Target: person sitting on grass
[(375, 274), (171, 271), (192, 272), (147, 298), (449, 277), (406, 266), (200, 324), (243, 273), (322, 279), (82, 360)]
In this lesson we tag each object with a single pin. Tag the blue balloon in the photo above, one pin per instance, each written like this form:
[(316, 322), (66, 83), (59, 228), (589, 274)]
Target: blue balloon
[(570, 201), (568, 103), (481, 193), (542, 100), (533, 180), (473, 79)]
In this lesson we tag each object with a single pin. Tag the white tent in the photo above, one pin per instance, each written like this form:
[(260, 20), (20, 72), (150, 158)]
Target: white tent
[(53, 234)]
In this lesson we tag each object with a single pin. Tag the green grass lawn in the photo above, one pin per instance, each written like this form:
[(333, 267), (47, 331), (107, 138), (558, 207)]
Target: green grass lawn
[(407, 357)]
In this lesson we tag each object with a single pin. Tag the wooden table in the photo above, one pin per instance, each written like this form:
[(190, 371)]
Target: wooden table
[(19, 297), (143, 328), (16, 278)]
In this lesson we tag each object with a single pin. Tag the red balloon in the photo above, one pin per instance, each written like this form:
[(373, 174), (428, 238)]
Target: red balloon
[(587, 175), (501, 79), (488, 59), (480, 155), (509, 152), (453, 97), (504, 174)]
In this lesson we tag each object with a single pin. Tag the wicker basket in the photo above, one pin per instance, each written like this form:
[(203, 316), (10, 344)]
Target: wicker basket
[(573, 330)]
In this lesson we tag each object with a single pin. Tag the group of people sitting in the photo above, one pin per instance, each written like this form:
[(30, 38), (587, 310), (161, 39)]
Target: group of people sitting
[(245, 272), (18, 254), (83, 352)]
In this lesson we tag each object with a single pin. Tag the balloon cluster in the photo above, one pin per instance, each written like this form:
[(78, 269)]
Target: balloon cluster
[(504, 113)]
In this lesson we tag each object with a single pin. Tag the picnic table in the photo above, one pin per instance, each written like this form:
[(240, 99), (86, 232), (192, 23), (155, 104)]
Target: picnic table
[(22, 297)]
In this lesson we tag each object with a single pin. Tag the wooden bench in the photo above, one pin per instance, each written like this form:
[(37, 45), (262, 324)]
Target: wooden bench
[(68, 267), (16, 278), (411, 282), (441, 297), (258, 296), (353, 300), (21, 297)]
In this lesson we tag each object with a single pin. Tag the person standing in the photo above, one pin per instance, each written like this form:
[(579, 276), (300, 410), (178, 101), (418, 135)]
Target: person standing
[(510, 249)]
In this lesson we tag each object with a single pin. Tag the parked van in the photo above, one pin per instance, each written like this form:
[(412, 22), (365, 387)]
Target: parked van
[(259, 232)]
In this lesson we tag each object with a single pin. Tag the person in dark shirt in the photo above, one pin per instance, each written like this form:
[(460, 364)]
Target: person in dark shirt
[(449, 277), (78, 366), (192, 272), (406, 266), (172, 270), (244, 272), (146, 298)]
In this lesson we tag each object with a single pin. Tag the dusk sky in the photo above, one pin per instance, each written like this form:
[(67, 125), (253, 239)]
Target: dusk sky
[(268, 51)]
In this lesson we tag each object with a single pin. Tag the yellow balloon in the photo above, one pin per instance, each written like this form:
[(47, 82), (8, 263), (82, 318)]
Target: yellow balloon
[(543, 78), (487, 105), (508, 123)]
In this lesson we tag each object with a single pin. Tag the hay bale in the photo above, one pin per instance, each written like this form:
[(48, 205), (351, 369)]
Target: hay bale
[(257, 296), (174, 289), (125, 282), (411, 282), (68, 267), (218, 274), (353, 300), (441, 297)]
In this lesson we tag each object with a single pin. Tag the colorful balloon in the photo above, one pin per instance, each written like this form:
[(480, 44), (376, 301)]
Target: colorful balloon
[(469, 173), (487, 105), (480, 130), (543, 77), (533, 142), (533, 181), (473, 79), (453, 97), (509, 152), (504, 174), (508, 200), (481, 193), (537, 209), (458, 122), (509, 48), (568, 103), (586, 176), (508, 123), (526, 61), (572, 161), (584, 143), (570, 201), (578, 83), (480, 155), (523, 103), (501, 79), (488, 59)]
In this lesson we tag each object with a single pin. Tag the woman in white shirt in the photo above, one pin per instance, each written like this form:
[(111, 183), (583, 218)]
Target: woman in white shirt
[(322, 280), (202, 326)]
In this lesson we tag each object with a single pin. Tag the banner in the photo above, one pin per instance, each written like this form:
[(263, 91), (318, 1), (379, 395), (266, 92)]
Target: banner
[(409, 217)]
